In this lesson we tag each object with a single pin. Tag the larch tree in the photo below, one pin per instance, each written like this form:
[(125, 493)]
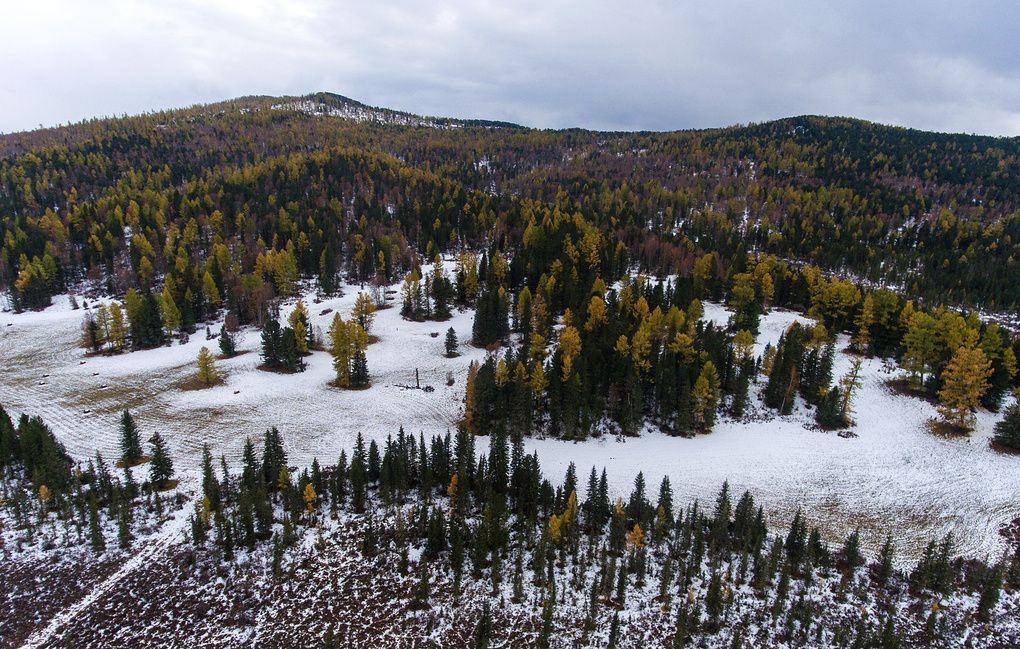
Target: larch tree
[(346, 339), (865, 320), (364, 311), (922, 346), (298, 320), (171, 314), (570, 347), (705, 396), (207, 374), (964, 381), (117, 331)]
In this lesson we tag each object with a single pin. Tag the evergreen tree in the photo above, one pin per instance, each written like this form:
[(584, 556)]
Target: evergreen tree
[(272, 343), (1007, 431), (451, 343), (359, 370), (227, 345), (130, 440), (95, 531), (161, 468)]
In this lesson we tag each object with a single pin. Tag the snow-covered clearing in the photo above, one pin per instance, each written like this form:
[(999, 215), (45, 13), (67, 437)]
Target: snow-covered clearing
[(894, 476)]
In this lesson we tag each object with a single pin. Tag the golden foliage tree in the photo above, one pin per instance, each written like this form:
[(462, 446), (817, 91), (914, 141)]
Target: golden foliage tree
[(364, 311), (570, 347), (964, 382), (207, 374)]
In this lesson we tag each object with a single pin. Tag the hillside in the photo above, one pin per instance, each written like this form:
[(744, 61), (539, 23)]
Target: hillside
[(905, 208), (299, 371)]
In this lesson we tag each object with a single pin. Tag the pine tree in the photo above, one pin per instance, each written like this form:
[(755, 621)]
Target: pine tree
[(828, 413), (161, 468), (990, 591), (483, 630), (207, 374), (130, 441), (884, 570), (964, 381), (848, 385)]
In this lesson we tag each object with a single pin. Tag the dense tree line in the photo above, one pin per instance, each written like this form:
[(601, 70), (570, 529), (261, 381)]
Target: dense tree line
[(92, 502), (494, 519), (234, 205)]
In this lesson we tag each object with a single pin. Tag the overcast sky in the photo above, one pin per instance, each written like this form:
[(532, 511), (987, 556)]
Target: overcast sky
[(629, 64)]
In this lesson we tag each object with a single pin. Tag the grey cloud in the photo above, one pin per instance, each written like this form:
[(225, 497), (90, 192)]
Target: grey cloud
[(646, 64)]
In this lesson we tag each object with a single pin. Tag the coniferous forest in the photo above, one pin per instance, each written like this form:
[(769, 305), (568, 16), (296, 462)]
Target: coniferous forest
[(585, 262)]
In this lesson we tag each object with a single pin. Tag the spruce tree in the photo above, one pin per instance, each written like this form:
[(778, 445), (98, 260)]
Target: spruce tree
[(130, 441), (227, 345), (451, 343), (1007, 431), (161, 468), (272, 352), (359, 370), (95, 531)]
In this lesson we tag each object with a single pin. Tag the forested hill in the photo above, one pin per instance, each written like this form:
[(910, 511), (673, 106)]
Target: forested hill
[(255, 192)]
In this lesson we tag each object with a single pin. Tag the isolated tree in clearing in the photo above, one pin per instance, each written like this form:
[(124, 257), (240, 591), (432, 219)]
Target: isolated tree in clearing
[(451, 343), (207, 374), (346, 339)]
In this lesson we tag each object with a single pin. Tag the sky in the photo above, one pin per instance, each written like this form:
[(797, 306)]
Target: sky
[(623, 65)]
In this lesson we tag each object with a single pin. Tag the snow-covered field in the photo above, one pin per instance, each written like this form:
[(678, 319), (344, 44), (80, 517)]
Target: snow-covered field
[(894, 476)]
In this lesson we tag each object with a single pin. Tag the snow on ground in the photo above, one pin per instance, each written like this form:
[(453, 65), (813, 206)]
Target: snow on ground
[(893, 476)]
